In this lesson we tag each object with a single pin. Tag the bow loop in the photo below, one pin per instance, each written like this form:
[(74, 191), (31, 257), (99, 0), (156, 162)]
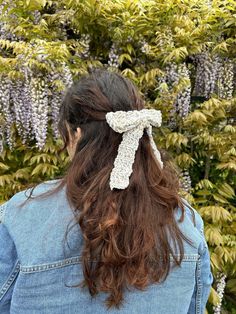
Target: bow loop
[(123, 121)]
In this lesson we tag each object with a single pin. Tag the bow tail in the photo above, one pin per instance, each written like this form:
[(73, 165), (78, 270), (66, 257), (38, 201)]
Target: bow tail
[(123, 165), (154, 147)]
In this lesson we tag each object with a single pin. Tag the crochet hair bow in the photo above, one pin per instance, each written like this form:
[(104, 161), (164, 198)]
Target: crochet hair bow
[(131, 124)]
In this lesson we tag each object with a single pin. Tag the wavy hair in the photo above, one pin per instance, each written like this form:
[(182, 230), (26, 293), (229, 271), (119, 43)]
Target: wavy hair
[(129, 235)]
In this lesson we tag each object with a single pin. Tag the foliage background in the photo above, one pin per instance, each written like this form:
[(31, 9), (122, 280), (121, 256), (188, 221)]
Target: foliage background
[(180, 53)]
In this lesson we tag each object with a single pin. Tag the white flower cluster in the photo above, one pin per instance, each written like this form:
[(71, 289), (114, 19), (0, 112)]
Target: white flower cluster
[(37, 17), (85, 44), (113, 58), (207, 71), (5, 33), (214, 74), (6, 110), (1, 137), (66, 76), (185, 181), (220, 288), (55, 95), (131, 124), (181, 105), (21, 104), (145, 48), (30, 103), (225, 86), (234, 87), (172, 74), (184, 97), (39, 92)]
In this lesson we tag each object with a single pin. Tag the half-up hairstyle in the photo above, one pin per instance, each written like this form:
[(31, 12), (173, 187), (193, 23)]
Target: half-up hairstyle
[(127, 233)]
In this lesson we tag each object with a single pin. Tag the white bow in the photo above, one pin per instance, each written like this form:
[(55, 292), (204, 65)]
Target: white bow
[(131, 124)]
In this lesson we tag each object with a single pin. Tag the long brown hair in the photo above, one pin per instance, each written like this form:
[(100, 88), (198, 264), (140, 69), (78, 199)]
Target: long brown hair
[(127, 233)]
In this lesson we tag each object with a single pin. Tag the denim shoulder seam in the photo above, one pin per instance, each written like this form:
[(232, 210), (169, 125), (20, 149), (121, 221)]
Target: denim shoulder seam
[(199, 224), (188, 212)]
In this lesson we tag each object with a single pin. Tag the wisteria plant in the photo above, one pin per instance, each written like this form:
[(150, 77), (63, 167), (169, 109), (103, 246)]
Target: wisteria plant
[(181, 54)]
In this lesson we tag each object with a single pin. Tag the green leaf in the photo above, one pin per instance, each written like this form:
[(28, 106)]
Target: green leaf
[(213, 235), (216, 261), (35, 4), (220, 198), (203, 192), (204, 184), (6, 179), (22, 173), (213, 297), (38, 170), (185, 160), (231, 165), (123, 57), (176, 139), (221, 47), (226, 190), (196, 117), (215, 213), (231, 286), (177, 54), (130, 49), (4, 166)]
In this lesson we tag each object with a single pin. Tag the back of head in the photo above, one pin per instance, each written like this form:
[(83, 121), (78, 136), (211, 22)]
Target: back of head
[(127, 233)]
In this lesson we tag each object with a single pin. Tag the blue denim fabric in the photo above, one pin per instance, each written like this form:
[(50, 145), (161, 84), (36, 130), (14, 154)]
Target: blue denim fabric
[(34, 268)]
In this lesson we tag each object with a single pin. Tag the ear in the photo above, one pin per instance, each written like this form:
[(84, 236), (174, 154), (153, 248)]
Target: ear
[(78, 133)]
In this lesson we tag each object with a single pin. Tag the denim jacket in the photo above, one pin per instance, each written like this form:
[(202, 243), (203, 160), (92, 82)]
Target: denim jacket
[(36, 273)]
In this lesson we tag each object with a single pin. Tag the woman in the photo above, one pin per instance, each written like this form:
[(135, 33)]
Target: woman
[(112, 235)]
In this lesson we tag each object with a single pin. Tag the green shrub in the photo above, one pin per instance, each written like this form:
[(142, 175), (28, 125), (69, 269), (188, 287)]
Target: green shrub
[(181, 54)]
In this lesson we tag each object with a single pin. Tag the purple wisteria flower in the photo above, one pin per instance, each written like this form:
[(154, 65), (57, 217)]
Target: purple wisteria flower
[(207, 72), (225, 86), (6, 109), (181, 105), (113, 58), (39, 94)]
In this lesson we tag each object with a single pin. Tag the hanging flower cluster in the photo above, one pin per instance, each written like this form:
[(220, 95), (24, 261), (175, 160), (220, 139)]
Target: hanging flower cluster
[(220, 288), (31, 99), (207, 71), (30, 103), (37, 17), (56, 95), (85, 45), (225, 84), (39, 94), (184, 97), (4, 32), (185, 181), (214, 74), (144, 46), (5, 108), (113, 57), (181, 106), (21, 102)]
